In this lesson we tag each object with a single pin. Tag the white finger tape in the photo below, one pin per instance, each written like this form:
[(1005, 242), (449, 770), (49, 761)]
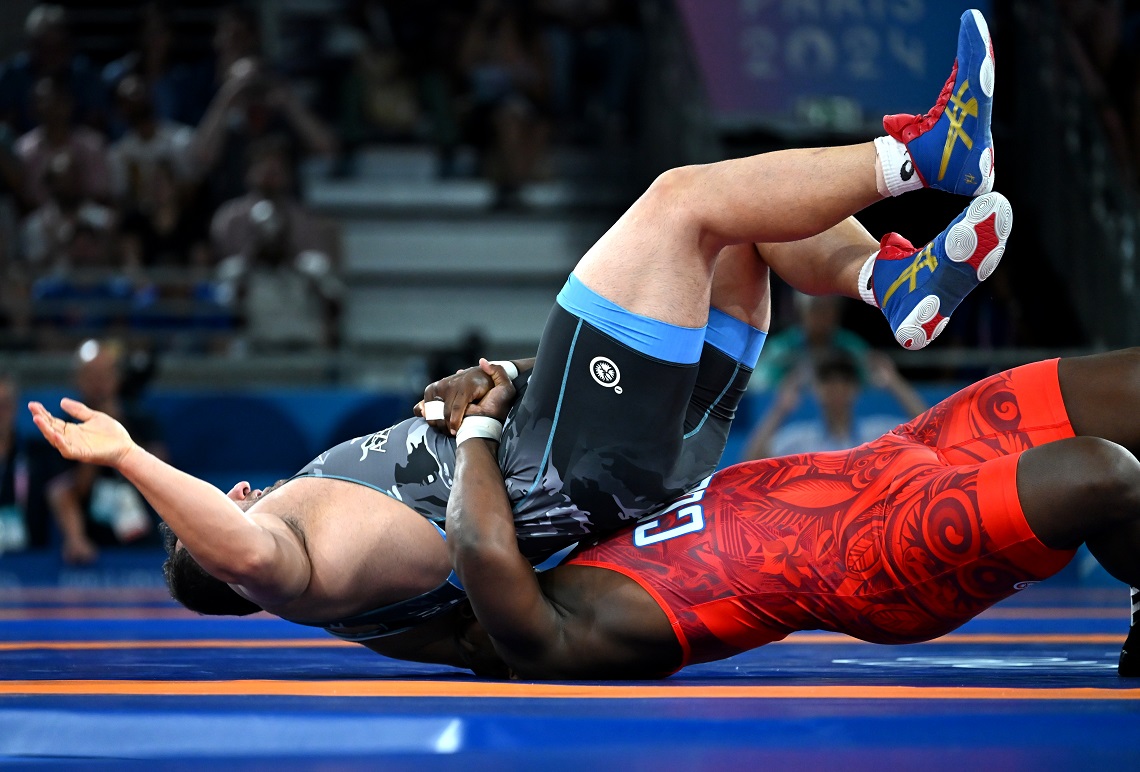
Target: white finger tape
[(433, 411)]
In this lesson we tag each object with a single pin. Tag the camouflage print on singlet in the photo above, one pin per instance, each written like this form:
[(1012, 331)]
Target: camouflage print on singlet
[(582, 454), (411, 462)]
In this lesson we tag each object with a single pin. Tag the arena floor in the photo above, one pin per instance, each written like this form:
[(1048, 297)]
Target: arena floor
[(106, 675)]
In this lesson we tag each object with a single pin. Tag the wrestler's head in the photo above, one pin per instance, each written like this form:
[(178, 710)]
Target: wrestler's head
[(195, 589)]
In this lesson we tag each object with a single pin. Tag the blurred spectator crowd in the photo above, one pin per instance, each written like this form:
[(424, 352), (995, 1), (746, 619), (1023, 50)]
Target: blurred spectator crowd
[(151, 197), (1103, 38), (157, 194)]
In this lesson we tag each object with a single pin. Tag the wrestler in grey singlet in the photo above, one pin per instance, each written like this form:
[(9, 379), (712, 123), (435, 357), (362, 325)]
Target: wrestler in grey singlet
[(580, 456)]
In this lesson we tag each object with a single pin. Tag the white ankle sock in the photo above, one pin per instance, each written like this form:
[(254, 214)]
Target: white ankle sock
[(898, 169), (866, 288), (1135, 605)]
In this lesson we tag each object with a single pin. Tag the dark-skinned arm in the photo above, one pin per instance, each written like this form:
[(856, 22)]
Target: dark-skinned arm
[(501, 584)]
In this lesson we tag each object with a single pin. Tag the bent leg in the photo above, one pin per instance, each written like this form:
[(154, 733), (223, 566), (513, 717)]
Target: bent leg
[(825, 264), (998, 416), (658, 259), (1085, 490), (738, 323)]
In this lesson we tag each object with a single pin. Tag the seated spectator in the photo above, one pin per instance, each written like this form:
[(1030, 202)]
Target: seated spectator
[(13, 473), (252, 103), (94, 506), (1101, 37), (380, 89), (818, 331), (180, 90), (70, 230), (402, 77), (593, 53), (148, 142), (49, 55), (56, 133), (834, 380), (274, 257), (166, 231), (17, 330), (504, 61)]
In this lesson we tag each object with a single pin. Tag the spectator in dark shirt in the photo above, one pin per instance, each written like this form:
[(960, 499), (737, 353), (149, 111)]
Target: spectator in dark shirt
[(49, 54), (14, 473), (504, 61), (167, 232), (180, 90), (593, 50), (252, 103), (94, 506)]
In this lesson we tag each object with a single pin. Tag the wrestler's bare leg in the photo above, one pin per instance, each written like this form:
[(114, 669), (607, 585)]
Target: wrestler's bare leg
[(658, 259)]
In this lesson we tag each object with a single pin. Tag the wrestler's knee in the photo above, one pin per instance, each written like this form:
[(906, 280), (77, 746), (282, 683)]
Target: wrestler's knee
[(1107, 475), (1071, 490), (669, 195)]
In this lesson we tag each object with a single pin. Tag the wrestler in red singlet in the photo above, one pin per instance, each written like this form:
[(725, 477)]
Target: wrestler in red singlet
[(861, 541)]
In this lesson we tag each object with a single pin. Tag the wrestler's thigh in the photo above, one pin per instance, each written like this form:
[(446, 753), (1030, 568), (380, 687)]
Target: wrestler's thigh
[(953, 541), (1101, 393), (600, 428), (720, 385), (1002, 414)]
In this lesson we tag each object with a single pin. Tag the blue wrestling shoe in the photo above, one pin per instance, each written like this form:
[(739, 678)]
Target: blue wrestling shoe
[(951, 146), (917, 290)]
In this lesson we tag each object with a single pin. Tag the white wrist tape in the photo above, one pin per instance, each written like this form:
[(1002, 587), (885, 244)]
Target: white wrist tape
[(510, 368), (478, 426), (433, 411)]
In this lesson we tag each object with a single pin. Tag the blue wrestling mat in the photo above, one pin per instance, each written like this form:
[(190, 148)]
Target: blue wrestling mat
[(113, 676)]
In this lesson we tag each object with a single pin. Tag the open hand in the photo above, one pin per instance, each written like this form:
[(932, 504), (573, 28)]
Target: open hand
[(97, 439)]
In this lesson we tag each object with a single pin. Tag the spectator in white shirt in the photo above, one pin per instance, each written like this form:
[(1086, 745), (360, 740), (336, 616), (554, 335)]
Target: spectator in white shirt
[(148, 142)]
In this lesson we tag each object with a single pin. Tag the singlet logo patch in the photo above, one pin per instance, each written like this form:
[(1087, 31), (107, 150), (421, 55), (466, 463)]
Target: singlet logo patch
[(605, 373), (373, 442)]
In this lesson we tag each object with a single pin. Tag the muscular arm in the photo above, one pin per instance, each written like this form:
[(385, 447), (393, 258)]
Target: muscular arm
[(501, 585), (262, 554)]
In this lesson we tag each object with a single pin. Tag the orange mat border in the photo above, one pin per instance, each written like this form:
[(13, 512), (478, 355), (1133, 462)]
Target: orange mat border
[(549, 691)]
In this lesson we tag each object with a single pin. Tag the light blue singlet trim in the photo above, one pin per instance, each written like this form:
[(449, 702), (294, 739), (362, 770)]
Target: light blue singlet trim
[(738, 339), (652, 337)]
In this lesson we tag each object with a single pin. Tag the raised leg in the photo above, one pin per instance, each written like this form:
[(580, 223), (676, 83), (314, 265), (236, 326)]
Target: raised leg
[(740, 285), (658, 259), (825, 264)]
